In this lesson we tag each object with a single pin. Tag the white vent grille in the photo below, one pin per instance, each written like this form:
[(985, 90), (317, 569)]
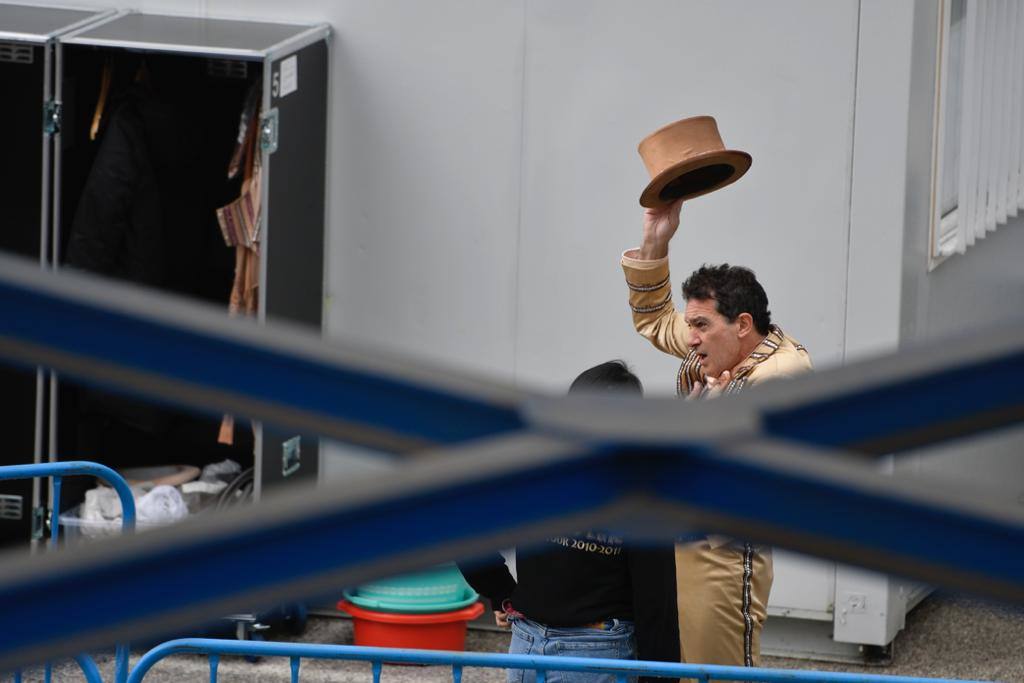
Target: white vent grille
[(16, 53), (227, 68), (10, 507)]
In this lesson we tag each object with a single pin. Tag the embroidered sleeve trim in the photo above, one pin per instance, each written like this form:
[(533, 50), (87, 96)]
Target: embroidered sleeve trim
[(646, 288), (652, 309)]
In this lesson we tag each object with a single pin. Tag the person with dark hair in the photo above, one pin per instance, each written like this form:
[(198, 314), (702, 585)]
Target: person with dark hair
[(727, 342), (586, 594), (606, 377)]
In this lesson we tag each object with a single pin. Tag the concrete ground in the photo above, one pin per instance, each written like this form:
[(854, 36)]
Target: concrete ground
[(946, 637)]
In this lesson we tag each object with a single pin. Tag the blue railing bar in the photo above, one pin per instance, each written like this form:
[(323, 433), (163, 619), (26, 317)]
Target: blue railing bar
[(78, 468), (89, 668), (376, 667), (320, 539), (295, 669), (174, 350), (194, 355), (55, 515), (456, 673), (121, 654), (57, 471), (85, 662), (907, 399), (214, 661), (378, 655)]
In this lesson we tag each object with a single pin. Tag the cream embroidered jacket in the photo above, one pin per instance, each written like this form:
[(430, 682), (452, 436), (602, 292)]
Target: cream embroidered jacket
[(656, 318)]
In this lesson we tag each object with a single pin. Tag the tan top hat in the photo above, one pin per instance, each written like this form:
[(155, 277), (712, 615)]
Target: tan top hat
[(686, 159)]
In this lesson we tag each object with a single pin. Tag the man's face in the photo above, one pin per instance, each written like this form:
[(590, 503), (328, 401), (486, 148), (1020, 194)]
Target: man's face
[(713, 337)]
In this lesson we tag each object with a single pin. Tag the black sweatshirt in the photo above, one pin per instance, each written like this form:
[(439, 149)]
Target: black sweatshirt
[(589, 577)]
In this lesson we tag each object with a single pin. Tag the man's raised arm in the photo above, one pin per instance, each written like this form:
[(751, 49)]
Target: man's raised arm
[(650, 291)]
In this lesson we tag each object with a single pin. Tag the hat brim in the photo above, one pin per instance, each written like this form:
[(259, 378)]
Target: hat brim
[(695, 176)]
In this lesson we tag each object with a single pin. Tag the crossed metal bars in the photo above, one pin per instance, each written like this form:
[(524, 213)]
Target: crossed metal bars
[(770, 465)]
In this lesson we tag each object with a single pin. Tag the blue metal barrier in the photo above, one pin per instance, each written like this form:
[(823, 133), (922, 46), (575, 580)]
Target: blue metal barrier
[(377, 656), (834, 504), (57, 471), (89, 670)]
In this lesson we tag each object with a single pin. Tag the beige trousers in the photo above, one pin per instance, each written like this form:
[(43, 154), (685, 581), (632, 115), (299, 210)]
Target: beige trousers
[(722, 595)]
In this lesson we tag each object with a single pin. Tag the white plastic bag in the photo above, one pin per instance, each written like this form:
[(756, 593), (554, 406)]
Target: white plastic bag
[(226, 470), (162, 505), (101, 505)]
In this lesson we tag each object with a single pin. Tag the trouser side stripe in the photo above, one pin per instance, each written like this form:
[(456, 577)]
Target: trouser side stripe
[(748, 621)]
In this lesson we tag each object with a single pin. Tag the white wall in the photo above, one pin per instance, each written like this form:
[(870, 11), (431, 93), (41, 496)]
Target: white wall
[(968, 294), (879, 181), (601, 75), (484, 175)]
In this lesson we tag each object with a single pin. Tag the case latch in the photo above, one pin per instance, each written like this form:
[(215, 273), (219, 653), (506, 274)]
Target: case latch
[(40, 517), (52, 114), (268, 132)]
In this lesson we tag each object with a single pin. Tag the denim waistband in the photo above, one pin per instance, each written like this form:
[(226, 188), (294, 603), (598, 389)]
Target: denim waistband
[(603, 625)]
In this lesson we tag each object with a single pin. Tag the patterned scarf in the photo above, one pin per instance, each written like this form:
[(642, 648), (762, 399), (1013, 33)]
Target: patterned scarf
[(690, 371)]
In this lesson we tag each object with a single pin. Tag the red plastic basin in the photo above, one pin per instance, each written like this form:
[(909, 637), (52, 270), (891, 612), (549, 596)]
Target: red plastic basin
[(435, 631)]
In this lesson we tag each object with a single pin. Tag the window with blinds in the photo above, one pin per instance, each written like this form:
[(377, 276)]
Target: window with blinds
[(978, 179)]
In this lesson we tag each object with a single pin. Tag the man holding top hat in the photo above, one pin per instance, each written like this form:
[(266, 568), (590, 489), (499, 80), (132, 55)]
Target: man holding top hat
[(727, 342)]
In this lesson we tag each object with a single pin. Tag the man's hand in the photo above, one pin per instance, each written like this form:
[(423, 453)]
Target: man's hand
[(501, 619), (659, 227), (715, 386), (695, 391)]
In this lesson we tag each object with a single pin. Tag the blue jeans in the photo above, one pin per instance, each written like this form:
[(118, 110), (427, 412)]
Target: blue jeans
[(614, 641)]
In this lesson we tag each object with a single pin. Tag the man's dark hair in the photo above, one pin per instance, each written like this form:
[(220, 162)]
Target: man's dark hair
[(734, 289), (612, 376)]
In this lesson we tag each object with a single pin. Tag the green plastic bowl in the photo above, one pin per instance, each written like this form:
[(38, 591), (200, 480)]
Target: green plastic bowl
[(439, 589)]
